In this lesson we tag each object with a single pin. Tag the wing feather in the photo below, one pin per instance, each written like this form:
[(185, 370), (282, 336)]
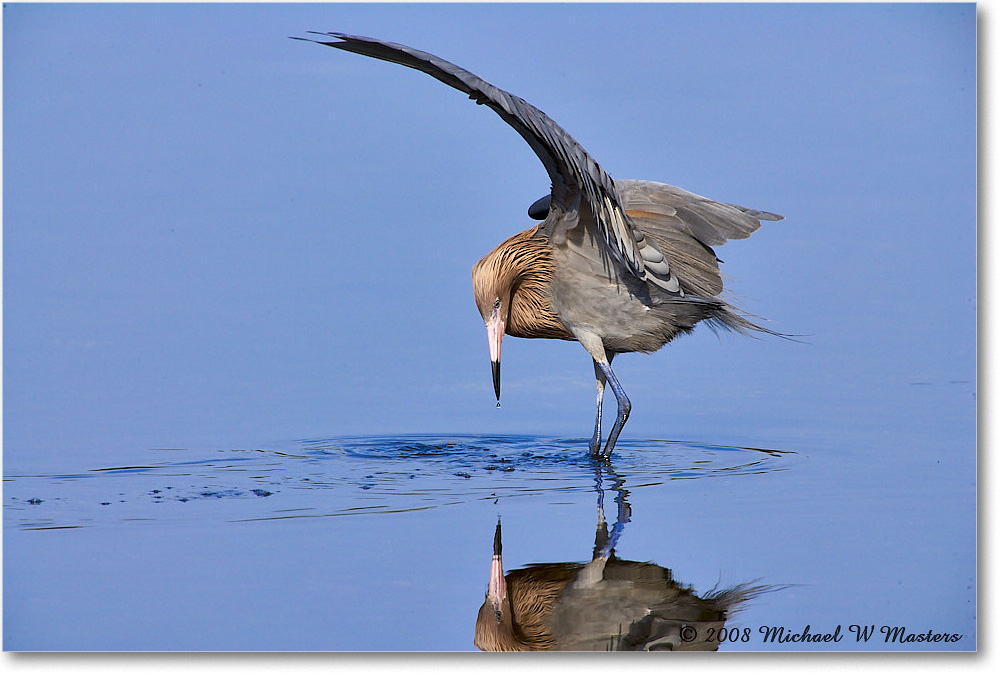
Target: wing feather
[(686, 226), (578, 181), (710, 222)]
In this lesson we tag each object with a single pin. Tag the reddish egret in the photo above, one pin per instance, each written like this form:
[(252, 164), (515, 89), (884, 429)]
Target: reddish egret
[(608, 603), (619, 266)]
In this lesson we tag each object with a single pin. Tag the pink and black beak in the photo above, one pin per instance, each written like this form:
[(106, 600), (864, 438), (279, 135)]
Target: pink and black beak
[(494, 330), (497, 588)]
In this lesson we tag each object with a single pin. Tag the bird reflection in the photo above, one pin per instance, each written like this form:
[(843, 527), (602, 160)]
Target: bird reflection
[(607, 604)]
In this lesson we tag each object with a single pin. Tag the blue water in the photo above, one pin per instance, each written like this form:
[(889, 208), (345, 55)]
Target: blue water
[(320, 544), (338, 477)]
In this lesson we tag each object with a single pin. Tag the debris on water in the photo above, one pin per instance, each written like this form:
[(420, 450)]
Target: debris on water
[(413, 471), (219, 494)]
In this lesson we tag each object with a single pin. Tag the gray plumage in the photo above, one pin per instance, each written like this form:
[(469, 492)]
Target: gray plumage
[(607, 604), (620, 266)]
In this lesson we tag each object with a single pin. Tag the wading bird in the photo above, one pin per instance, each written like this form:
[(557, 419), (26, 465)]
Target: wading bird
[(607, 604), (619, 266)]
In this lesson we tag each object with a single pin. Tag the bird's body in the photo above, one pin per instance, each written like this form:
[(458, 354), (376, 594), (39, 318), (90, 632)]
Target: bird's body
[(606, 604), (620, 266), (556, 291)]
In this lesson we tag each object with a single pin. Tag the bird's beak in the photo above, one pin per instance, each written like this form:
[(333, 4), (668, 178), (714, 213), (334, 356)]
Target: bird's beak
[(498, 586), (494, 330)]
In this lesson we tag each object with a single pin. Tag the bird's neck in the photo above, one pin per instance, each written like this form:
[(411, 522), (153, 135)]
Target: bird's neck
[(528, 269)]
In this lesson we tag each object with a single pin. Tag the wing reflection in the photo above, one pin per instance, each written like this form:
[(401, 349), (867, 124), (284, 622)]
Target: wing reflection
[(607, 604)]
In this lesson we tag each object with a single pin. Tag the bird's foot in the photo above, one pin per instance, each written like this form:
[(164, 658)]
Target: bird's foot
[(610, 445)]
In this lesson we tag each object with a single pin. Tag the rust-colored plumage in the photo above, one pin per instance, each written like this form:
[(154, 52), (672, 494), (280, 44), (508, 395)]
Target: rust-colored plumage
[(519, 272), (620, 266), (606, 604), (526, 614)]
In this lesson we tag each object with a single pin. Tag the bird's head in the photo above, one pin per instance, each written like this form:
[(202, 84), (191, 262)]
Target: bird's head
[(492, 293), (494, 630)]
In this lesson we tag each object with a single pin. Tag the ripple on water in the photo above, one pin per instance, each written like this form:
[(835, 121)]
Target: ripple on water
[(318, 478)]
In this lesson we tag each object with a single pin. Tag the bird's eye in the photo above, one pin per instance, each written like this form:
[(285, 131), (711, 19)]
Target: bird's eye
[(496, 304), (498, 615)]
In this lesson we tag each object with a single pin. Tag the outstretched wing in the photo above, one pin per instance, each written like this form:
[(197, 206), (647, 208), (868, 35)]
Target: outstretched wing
[(578, 182), (710, 222), (685, 226)]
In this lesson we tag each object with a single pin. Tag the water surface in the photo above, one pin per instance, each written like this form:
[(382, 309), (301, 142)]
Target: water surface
[(321, 543), (339, 477)]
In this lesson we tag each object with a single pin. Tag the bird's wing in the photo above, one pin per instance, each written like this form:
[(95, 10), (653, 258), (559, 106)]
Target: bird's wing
[(710, 222), (577, 180), (685, 226)]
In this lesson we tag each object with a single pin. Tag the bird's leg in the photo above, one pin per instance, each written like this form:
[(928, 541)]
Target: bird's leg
[(624, 406), (601, 538), (595, 441)]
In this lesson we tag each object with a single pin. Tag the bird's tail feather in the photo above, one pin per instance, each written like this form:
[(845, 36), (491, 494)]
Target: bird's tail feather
[(727, 317), (732, 600)]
